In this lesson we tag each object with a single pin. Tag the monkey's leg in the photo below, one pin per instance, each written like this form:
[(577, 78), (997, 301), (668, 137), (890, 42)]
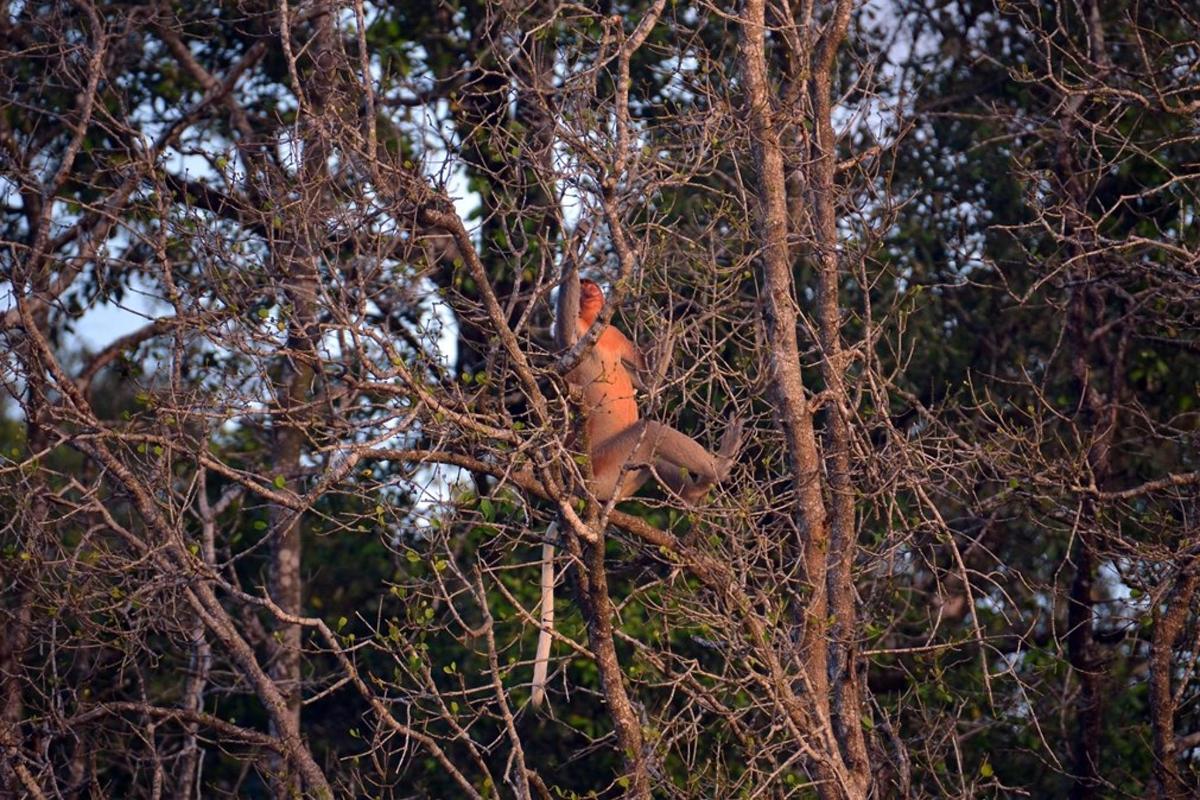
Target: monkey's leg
[(672, 455)]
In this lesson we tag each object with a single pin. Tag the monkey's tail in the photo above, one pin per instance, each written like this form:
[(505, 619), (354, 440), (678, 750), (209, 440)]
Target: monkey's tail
[(541, 659)]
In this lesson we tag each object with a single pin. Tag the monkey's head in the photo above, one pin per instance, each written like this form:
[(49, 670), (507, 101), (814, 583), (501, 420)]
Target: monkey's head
[(591, 299)]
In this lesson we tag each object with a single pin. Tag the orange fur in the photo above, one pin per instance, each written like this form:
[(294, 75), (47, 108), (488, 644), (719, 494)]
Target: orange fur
[(608, 394)]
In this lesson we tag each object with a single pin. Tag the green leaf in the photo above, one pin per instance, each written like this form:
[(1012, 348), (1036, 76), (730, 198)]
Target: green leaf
[(280, 481)]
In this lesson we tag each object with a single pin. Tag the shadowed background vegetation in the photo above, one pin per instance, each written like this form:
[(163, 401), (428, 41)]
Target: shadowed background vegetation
[(283, 428)]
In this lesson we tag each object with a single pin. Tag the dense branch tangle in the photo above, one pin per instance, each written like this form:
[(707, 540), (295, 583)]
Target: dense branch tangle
[(279, 288), (282, 533)]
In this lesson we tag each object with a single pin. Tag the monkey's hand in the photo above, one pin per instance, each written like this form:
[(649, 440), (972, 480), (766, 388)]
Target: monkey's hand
[(648, 377)]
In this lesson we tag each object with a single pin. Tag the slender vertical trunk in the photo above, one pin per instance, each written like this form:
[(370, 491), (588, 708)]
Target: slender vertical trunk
[(779, 317), (822, 543), (847, 699), (14, 635), (297, 264), (1099, 414), (200, 663), (13, 639), (827, 532), (596, 607), (286, 583), (1168, 629), (1081, 649)]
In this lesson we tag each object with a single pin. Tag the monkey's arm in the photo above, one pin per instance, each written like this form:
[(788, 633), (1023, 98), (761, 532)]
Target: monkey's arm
[(648, 376), (565, 333), (631, 356), (633, 362)]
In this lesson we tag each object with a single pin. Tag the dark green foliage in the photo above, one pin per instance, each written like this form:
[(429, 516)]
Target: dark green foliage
[(1019, 260)]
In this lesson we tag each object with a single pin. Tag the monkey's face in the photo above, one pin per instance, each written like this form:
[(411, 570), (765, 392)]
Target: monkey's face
[(591, 298)]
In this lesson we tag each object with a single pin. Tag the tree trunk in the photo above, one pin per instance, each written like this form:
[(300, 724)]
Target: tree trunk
[(826, 539), (301, 282)]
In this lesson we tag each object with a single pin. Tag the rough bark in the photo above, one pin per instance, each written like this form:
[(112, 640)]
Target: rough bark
[(1098, 415), (847, 691), (297, 263), (591, 592), (827, 531), (1168, 629), (779, 317)]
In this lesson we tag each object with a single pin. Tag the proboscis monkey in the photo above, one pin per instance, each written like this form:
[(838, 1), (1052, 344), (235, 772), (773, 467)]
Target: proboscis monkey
[(623, 449)]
